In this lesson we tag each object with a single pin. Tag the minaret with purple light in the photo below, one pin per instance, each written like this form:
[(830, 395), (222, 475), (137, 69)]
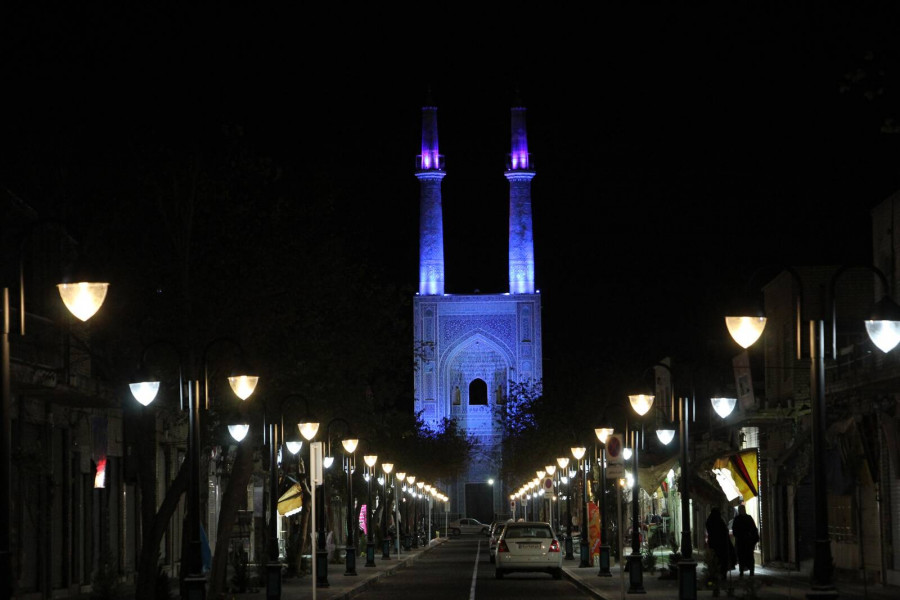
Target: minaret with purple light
[(521, 237), (430, 172)]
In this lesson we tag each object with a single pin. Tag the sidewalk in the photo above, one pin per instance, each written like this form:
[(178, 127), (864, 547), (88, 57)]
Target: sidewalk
[(768, 583), (341, 586)]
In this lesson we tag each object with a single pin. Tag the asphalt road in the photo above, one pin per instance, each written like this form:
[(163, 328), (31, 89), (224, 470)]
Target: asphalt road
[(460, 568)]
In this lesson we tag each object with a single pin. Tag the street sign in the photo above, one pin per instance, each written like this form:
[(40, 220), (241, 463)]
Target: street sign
[(614, 446), (512, 505), (548, 483), (615, 471)]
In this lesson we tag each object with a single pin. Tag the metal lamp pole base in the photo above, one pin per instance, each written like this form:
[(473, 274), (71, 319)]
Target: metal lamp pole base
[(687, 579), (635, 574), (273, 581), (322, 569), (585, 552), (386, 549), (604, 561), (195, 587), (370, 554), (351, 561)]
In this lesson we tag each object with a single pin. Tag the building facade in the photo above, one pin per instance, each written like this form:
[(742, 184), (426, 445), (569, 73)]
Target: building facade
[(471, 347)]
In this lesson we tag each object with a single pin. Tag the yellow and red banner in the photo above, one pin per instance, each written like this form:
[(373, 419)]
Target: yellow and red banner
[(593, 530)]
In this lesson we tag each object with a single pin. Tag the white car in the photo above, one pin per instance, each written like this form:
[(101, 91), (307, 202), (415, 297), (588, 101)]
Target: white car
[(469, 526), (528, 546)]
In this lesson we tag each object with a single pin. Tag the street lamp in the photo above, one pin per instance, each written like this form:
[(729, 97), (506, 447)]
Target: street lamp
[(385, 541), (243, 385), (603, 434), (398, 497), (563, 462), (349, 445), (321, 550), (578, 453), (370, 460), (641, 404), (883, 328), (82, 300), (411, 487), (421, 486)]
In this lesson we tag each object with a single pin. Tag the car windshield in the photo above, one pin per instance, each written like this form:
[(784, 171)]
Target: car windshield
[(519, 531)]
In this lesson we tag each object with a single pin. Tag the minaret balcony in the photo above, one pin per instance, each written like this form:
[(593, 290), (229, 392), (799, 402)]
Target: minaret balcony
[(429, 162), (519, 161)]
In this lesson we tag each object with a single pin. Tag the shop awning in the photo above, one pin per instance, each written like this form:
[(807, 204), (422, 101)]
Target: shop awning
[(291, 501), (744, 474), (650, 478)]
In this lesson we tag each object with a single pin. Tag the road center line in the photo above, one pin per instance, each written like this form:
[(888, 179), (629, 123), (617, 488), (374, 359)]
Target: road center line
[(475, 572)]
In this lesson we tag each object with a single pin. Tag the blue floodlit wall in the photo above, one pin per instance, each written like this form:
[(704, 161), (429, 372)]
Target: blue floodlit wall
[(468, 343)]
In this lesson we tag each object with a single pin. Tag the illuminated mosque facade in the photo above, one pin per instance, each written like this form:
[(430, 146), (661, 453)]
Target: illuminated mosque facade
[(469, 347)]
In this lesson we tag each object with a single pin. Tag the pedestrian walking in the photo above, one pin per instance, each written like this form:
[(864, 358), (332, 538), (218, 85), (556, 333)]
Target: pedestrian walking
[(719, 541), (746, 536)]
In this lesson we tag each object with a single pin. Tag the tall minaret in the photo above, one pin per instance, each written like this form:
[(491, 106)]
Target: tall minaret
[(521, 237), (430, 172)]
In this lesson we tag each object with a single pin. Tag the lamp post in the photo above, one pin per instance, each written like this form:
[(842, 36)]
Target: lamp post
[(399, 488), (82, 300), (385, 541), (603, 435), (370, 460), (883, 328), (641, 404), (563, 462), (421, 486), (578, 453), (321, 550), (243, 385), (349, 445), (411, 480)]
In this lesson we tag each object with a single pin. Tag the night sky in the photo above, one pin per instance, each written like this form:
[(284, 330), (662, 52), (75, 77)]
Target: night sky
[(675, 150)]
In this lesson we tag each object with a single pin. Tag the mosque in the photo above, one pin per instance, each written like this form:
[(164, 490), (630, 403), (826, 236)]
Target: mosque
[(470, 347)]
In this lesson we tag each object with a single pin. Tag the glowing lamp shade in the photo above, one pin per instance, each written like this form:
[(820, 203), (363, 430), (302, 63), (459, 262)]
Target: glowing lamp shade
[(641, 403), (83, 299), (563, 462), (578, 452), (723, 406), (243, 385), (239, 431), (540, 474), (370, 459), (551, 469), (387, 467), (411, 479), (745, 330), (604, 433), (294, 446), (626, 453), (420, 484), (144, 391), (327, 462), (350, 444), (401, 475), (308, 430), (665, 436), (883, 325), (884, 334)]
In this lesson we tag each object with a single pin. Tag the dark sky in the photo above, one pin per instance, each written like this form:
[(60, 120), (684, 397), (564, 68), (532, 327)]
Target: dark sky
[(676, 150)]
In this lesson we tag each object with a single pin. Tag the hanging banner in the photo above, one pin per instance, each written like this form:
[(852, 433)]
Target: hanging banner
[(593, 530), (743, 471)]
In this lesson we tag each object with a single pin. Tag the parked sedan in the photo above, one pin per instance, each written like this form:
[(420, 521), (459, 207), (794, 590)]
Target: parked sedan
[(470, 526), (528, 546), (496, 530)]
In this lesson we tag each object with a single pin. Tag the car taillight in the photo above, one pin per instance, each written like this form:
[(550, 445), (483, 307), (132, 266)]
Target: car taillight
[(554, 546), (502, 547)]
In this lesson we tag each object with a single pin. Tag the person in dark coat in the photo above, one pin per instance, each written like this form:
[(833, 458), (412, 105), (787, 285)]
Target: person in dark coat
[(746, 535), (719, 541)]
